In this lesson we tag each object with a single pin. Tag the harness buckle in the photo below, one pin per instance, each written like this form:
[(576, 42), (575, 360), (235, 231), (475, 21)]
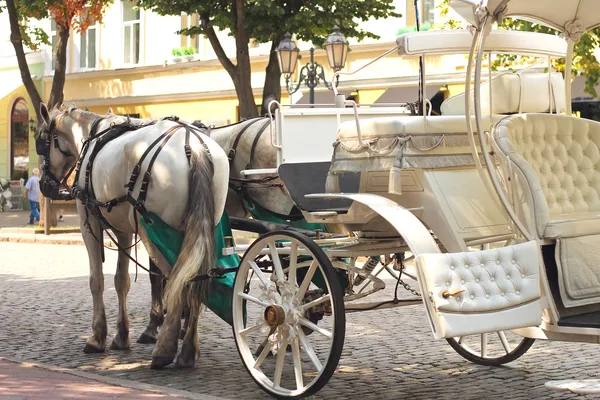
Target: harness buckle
[(231, 154)]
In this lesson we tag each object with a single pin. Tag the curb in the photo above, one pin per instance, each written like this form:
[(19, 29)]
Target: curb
[(147, 387), (43, 239)]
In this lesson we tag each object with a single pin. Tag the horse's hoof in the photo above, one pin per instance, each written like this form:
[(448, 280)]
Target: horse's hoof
[(159, 362), (184, 362), (91, 348), (146, 339), (119, 344)]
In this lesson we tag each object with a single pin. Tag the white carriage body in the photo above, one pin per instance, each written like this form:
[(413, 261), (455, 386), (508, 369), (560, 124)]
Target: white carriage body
[(425, 164)]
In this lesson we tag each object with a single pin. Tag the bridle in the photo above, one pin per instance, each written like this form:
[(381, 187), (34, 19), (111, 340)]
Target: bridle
[(51, 186)]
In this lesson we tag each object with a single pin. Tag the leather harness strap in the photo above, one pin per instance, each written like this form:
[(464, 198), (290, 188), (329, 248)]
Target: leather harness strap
[(233, 150)]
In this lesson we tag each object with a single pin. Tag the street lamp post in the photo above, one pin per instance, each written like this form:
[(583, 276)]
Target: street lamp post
[(312, 74)]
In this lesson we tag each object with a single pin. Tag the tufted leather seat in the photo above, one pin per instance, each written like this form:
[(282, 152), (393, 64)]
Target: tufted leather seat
[(504, 280), (559, 157)]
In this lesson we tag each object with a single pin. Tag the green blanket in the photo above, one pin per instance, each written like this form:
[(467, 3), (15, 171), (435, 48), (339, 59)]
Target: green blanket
[(168, 240)]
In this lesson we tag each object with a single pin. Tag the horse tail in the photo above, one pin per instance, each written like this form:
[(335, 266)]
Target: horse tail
[(197, 254)]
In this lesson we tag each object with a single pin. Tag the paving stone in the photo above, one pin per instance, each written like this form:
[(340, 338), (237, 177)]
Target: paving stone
[(45, 316)]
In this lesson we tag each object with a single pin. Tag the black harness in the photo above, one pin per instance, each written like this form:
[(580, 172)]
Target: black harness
[(57, 189), (241, 185)]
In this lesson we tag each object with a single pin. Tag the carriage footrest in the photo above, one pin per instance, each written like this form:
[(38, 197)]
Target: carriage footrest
[(589, 320), (481, 291)]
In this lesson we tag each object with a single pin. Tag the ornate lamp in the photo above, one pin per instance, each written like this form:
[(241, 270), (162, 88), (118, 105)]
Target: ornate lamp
[(336, 47)]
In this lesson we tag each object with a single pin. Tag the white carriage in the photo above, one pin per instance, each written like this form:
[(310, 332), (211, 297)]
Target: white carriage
[(497, 200)]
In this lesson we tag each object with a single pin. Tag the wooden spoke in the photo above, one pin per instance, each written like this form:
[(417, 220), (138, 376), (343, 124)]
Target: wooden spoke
[(308, 349), (313, 303), (247, 331), (293, 262), (505, 343), (297, 363), (263, 354), (484, 340), (259, 273), (276, 261), (252, 299), (279, 364), (314, 327), (307, 279)]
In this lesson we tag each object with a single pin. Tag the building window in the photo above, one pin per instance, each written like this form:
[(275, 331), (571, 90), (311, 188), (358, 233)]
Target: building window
[(19, 141), (131, 33), (88, 48), (53, 40), (428, 12)]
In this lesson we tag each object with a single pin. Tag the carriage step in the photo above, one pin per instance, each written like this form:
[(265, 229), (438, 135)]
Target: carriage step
[(589, 320), (324, 214)]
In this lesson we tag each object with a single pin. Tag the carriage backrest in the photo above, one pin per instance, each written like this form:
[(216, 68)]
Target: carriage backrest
[(558, 157), (564, 154), (515, 93)]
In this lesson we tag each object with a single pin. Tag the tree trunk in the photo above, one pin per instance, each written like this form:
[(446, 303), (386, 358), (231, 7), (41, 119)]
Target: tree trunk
[(272, 88), (242, 81), (240, 73), (58, 83), (15, 38)]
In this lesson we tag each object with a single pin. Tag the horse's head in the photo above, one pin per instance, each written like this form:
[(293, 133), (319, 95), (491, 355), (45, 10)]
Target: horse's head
[(55, 143)]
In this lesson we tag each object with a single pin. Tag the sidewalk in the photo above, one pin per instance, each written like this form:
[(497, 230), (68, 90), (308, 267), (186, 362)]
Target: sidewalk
[(23, 381), (14, 228)]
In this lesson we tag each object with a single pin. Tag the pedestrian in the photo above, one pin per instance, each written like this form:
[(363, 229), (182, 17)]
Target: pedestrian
[(32, 192)]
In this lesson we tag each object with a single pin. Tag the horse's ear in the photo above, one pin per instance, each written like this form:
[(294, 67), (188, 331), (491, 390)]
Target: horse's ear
[(110, 111), (44, 113)]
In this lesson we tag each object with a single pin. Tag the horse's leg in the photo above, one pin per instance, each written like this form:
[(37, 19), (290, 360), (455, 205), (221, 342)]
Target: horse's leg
[(96, 343), (166, 346), (156, 310), (122, 283), (190, 349), (186, 320)]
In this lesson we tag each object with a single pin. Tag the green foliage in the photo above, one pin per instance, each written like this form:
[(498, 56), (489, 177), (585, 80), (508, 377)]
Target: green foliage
[(176, 52), (265, 20), (585, 62), (188, 51), (424, 27)]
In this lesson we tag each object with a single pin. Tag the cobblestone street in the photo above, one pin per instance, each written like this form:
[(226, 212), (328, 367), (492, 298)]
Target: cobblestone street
[(45, 316)]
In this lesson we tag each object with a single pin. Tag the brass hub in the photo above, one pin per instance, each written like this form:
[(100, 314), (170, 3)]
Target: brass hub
[(274, 316)]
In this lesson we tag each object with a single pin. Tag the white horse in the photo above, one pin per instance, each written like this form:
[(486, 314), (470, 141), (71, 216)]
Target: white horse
[(193, 205), (248, 145)]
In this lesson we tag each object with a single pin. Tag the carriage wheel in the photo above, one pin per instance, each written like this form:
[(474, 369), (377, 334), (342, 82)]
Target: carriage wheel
[(491, 349), (278, 299)]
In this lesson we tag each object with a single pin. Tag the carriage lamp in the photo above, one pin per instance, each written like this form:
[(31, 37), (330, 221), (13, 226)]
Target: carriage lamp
[(312, 74), (32, 126)]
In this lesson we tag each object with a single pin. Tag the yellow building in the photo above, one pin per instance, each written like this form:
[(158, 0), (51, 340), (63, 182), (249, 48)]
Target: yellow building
[(126, 63)]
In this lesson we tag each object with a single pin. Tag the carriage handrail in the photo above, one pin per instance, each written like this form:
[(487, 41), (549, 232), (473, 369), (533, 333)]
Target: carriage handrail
[(478, 46), (338, 73)]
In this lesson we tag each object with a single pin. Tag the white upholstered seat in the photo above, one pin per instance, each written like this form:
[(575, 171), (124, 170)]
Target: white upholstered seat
[(404, 125), (556, 169), (559, 157), (515, 93)]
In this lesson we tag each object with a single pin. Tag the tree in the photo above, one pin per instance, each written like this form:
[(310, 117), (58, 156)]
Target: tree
[(267, 21), (69, 15), (585, 62)]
